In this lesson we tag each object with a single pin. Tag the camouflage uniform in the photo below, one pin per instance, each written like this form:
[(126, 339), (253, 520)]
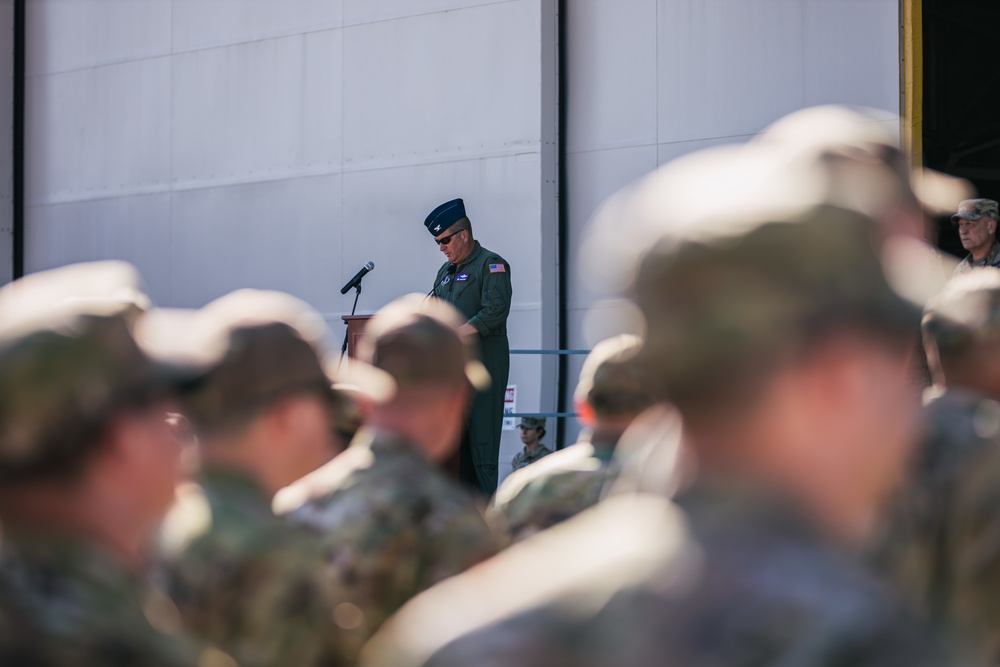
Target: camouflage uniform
[(251, 584), (91, 611), (575, 478), (951, 449), (974, 209), (69, 358), (938, 545), (563, 485), (391, 522), (755, 578), (525, 458)]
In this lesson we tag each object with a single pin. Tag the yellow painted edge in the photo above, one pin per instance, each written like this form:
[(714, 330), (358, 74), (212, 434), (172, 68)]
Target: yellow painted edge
[(913, 79)]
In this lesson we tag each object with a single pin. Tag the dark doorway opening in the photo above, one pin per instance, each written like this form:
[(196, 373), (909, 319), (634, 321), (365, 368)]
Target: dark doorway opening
[(961, 114)]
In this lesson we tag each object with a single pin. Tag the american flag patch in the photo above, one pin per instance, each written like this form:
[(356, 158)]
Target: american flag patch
[(498, 268)]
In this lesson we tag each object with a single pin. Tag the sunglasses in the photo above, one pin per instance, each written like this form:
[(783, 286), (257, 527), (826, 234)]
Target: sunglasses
[(446, 240)]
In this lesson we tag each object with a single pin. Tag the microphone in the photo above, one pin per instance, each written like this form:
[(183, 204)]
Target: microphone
[(451, 271), (356, 280)]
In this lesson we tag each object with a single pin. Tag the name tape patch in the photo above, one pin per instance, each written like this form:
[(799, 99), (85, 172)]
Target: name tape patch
[(498, 268), (461, 278)]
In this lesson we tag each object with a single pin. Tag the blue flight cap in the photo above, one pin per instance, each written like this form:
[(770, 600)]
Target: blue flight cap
[(444, 216)]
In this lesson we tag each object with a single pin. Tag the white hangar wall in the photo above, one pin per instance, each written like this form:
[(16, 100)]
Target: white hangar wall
[(254, 143), (651, 80), (227, 143)]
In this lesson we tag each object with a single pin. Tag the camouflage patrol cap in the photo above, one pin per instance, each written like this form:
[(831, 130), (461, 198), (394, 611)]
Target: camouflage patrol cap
[(974, 209), (266, 344), (738, 277), (532, 422), (611, 381), (68, 360), (415, 340), (967, 310)]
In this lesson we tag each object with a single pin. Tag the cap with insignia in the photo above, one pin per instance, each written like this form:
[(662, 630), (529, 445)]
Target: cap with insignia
[(974, 209), (415, 341), (69, 359), (444, 216), (532, 422)]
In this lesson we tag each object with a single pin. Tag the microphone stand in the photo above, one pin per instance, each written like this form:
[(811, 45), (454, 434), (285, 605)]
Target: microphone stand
[(343, 348)]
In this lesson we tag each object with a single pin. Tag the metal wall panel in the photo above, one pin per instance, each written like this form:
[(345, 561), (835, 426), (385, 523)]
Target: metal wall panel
[(74, 34), (366, 11), (136, 229), (98, 132), (211, 23), (612, 68), (443, 86), (256, 111)]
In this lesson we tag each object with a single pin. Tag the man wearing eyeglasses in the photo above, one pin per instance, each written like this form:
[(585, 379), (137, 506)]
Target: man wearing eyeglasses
[(477, 282), (977, 226)]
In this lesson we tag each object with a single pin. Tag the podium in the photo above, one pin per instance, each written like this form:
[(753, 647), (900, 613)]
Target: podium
[(355, 330)]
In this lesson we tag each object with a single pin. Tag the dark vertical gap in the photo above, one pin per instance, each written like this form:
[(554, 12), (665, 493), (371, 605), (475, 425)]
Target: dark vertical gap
[(17, 196), (563, 225)]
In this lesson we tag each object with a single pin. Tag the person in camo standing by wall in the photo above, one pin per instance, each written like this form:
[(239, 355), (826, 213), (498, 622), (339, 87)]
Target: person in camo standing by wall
[(608, 398), (532, 432), (977, 229), (477, 282)]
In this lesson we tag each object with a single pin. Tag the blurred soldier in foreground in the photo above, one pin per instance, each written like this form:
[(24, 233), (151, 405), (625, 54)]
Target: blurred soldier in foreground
[(88, 466), (245, 581), (532, 431), (941, 545), (392, 523), (609, 396), (772, 328), (977, 229)]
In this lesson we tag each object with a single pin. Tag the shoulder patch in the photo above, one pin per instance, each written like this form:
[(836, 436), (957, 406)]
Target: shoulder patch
[(498, 268)]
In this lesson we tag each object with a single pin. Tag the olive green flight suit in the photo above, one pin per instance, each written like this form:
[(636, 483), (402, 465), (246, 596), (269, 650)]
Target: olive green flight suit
[(480, 289)]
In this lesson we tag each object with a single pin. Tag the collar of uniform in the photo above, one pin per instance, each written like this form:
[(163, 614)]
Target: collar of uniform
[(540, 451), (233, 487), (988, 259), (477, 250), (991, 256)]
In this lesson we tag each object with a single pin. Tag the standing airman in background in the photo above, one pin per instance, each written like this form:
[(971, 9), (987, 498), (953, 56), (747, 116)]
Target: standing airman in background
[(245, 581), (941, 545), (609, 396), (532, 431), (774, 331), (391, 522), (476, 281), (88, 466), (977, 229)]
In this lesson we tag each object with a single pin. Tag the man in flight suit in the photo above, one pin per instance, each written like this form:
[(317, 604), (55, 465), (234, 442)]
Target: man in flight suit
[(477, 282)]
